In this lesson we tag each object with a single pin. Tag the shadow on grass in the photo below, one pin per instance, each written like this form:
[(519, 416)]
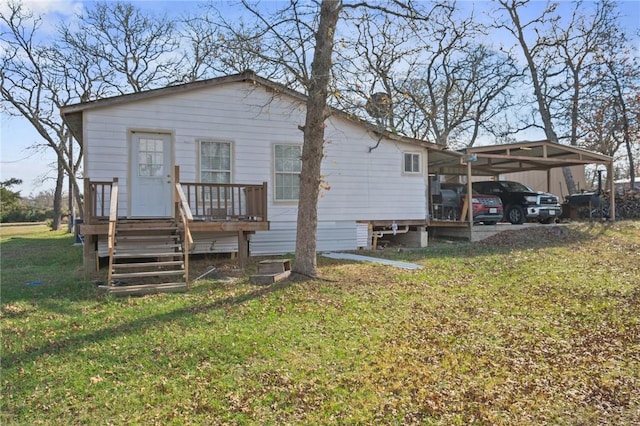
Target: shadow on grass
[(66, 344), (505, 243), (509, 240), (42, 267)]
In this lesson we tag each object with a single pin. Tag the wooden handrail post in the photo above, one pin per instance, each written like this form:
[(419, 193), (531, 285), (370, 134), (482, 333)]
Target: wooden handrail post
[(88, 201), (265, 201), (113, 206), (88, 242), (113, 218), (183, 213), (187, 242)]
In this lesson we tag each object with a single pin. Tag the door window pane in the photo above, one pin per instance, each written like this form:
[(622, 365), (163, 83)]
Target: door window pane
[(150, 157)]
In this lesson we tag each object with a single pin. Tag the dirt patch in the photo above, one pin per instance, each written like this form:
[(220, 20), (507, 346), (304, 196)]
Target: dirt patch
[(214, 267), (533, 236)]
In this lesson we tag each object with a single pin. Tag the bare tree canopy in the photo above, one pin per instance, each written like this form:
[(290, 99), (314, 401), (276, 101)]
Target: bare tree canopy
[(563, 70), (566, 63), (128, 50), (115, 49), (442, 84), (33, 87)]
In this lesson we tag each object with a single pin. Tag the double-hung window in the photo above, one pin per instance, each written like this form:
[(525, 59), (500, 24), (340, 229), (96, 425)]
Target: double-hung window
[(288, 164), (412, 162), (215, 162)]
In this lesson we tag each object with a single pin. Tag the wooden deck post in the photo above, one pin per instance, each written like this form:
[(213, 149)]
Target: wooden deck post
[(265, 202), (243, 249), (88, 201), (89, 254)]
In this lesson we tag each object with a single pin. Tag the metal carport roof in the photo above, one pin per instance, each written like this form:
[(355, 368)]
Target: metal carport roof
[(495, 160), (518, 157)]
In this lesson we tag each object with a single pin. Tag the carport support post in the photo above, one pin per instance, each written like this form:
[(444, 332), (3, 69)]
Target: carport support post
[(612, 192), (427, 184), (469, 199)]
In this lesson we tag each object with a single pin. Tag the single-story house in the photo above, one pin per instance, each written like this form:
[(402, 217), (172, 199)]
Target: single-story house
[(214, 164), (221, 158)]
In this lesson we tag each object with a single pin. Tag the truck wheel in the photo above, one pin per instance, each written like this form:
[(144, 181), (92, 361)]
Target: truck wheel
[(515, 214)]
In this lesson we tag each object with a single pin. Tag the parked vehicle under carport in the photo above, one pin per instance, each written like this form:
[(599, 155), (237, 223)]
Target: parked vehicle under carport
[(522, 203), (487, 209)]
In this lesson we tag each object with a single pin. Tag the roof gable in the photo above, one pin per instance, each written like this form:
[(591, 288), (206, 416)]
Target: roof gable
[(247, 76), (72, 114)]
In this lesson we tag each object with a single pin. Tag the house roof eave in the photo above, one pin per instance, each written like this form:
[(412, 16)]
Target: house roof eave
[(70, 113)]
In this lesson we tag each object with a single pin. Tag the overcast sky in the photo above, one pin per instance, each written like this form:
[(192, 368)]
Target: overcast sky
[(19, 160)]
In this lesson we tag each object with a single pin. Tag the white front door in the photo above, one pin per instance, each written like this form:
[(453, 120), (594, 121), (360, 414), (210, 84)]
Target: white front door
[(150, 162)]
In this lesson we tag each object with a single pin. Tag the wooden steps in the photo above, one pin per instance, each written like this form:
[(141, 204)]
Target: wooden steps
[(148, 257), (145, 274), (144, 253), (122, 266), (271, 271), (140, 290)]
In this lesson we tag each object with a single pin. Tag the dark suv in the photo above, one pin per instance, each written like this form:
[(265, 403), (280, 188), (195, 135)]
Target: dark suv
[(520, 202)]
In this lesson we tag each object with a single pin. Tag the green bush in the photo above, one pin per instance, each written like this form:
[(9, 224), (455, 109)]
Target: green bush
[(26, 214)]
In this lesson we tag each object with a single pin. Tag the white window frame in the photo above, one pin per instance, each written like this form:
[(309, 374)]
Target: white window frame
[(229, 172), (415, 160), (277, 173)]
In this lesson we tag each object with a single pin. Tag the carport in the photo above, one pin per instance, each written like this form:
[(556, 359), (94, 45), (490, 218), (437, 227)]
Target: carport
[(542, 155)]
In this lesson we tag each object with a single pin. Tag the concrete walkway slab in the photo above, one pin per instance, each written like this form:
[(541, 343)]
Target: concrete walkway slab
[(360, 258)]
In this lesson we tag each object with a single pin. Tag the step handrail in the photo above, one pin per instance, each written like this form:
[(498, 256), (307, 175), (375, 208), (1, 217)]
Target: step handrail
[(113, 219), (184, 216)]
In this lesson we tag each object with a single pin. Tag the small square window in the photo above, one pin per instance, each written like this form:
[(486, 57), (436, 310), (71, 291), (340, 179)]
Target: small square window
[(412, 162)]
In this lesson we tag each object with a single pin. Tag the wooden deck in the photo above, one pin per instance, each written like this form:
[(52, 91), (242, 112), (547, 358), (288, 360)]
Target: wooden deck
[(102, 227), (199, 207)]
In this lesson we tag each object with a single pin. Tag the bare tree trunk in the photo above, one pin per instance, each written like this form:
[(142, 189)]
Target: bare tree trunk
[(545, 114), (79, 202), (314, 139), (57, 199), (632, 169), (626, 127), (543, 107)]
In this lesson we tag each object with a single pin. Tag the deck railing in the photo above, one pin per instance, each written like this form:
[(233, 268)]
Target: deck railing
[(205, 201), (227, 201), (98, 200)]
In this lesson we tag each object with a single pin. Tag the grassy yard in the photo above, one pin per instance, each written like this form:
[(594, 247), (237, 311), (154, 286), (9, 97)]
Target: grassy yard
[(537, 326)]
